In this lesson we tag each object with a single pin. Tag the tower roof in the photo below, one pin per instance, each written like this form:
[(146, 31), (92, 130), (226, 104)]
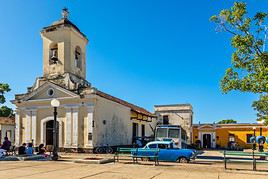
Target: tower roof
[(63, 22)]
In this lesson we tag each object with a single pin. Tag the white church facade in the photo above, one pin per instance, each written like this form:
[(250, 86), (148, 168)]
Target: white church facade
[(87, 117)]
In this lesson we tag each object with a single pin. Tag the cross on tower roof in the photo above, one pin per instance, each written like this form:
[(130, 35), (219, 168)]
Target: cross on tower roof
[(65, 13)]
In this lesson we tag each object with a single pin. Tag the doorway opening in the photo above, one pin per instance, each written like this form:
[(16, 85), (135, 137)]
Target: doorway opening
[(49, 132), (135, 129), (207, 141)]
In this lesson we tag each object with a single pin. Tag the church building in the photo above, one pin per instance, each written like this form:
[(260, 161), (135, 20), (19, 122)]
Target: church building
[(87, 117)]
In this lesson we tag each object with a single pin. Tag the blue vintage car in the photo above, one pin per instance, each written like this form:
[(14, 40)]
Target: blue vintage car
[(168, 152)]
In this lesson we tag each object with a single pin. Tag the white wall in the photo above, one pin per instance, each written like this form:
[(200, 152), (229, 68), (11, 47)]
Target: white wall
[(117, 129)]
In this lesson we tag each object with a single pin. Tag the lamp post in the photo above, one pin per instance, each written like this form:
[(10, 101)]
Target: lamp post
[(254, 148), (261, 142), (55, 104)]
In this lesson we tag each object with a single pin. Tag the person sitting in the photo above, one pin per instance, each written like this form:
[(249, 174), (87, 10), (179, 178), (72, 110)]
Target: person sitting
[(41, 150), (6, 144), (2, 153), (22, 149), (29, 149)]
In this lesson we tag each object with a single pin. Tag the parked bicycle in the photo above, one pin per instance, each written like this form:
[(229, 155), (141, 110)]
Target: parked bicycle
[(104, 150)]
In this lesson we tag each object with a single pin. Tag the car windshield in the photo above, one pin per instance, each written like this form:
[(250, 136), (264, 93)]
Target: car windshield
[(161, 132)]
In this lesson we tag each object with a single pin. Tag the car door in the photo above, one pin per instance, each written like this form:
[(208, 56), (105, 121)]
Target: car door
[(151, 146), (164, 152), (172, 154)]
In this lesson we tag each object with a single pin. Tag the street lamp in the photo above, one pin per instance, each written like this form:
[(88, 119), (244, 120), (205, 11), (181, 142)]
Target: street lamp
[(254, 135), (254, 148), (55, 104), (261, 139)]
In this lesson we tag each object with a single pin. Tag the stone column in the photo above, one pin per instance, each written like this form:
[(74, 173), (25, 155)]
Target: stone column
[(42, 132), (90, 110), (213, 139), (75, 126), (68, 128), (28, 127), (17, 128), (33, 115), (200, 137), (60, 133)]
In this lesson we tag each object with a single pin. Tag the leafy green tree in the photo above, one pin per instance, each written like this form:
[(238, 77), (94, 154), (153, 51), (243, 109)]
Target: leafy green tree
[(227, 121), (4, 110), (249, 70), (262, 107), (3, 89)]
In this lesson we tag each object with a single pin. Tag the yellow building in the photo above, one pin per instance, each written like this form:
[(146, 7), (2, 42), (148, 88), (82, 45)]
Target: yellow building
[(226, 135)]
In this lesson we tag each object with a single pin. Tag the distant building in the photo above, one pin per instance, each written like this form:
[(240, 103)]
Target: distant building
[(224, 135), (87, 117), (7, 129), (176, 114)]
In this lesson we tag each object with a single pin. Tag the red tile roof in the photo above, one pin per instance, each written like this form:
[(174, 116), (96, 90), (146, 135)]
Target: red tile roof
[(120, 101), (7, 120)]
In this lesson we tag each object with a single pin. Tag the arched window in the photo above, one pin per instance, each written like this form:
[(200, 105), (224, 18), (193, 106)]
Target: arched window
[(78, 58), (53, 53)]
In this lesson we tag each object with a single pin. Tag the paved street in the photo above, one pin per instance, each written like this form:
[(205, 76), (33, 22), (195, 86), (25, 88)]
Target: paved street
[(59, 170)]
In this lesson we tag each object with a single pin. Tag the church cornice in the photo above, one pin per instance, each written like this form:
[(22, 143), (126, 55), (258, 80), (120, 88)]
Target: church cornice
[(63, 22), (29, 95)]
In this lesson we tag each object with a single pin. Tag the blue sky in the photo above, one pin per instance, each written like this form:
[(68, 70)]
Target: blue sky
[(148, 52)]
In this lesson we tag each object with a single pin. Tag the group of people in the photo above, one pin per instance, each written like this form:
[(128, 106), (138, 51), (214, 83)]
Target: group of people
[(29, 150), (22, 150)]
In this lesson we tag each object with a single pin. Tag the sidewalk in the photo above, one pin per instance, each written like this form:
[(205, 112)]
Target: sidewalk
[(66, 168), (50, 169)]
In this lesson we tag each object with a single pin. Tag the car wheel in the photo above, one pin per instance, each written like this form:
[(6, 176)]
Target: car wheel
[(109, 150), (183, 160), (99, 150)]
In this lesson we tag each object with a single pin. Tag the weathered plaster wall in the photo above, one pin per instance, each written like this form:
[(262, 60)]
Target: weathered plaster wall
[(66, 39), (178, 115), (112, 124)]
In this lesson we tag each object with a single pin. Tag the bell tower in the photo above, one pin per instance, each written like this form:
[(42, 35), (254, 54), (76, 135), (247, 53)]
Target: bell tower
[(64, 49)]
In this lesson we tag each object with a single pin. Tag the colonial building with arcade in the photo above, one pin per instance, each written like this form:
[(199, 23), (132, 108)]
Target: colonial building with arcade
[(87, 117)]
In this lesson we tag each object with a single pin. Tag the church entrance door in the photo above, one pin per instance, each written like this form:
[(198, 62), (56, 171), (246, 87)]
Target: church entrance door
[(206, 141), (49, 132)]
